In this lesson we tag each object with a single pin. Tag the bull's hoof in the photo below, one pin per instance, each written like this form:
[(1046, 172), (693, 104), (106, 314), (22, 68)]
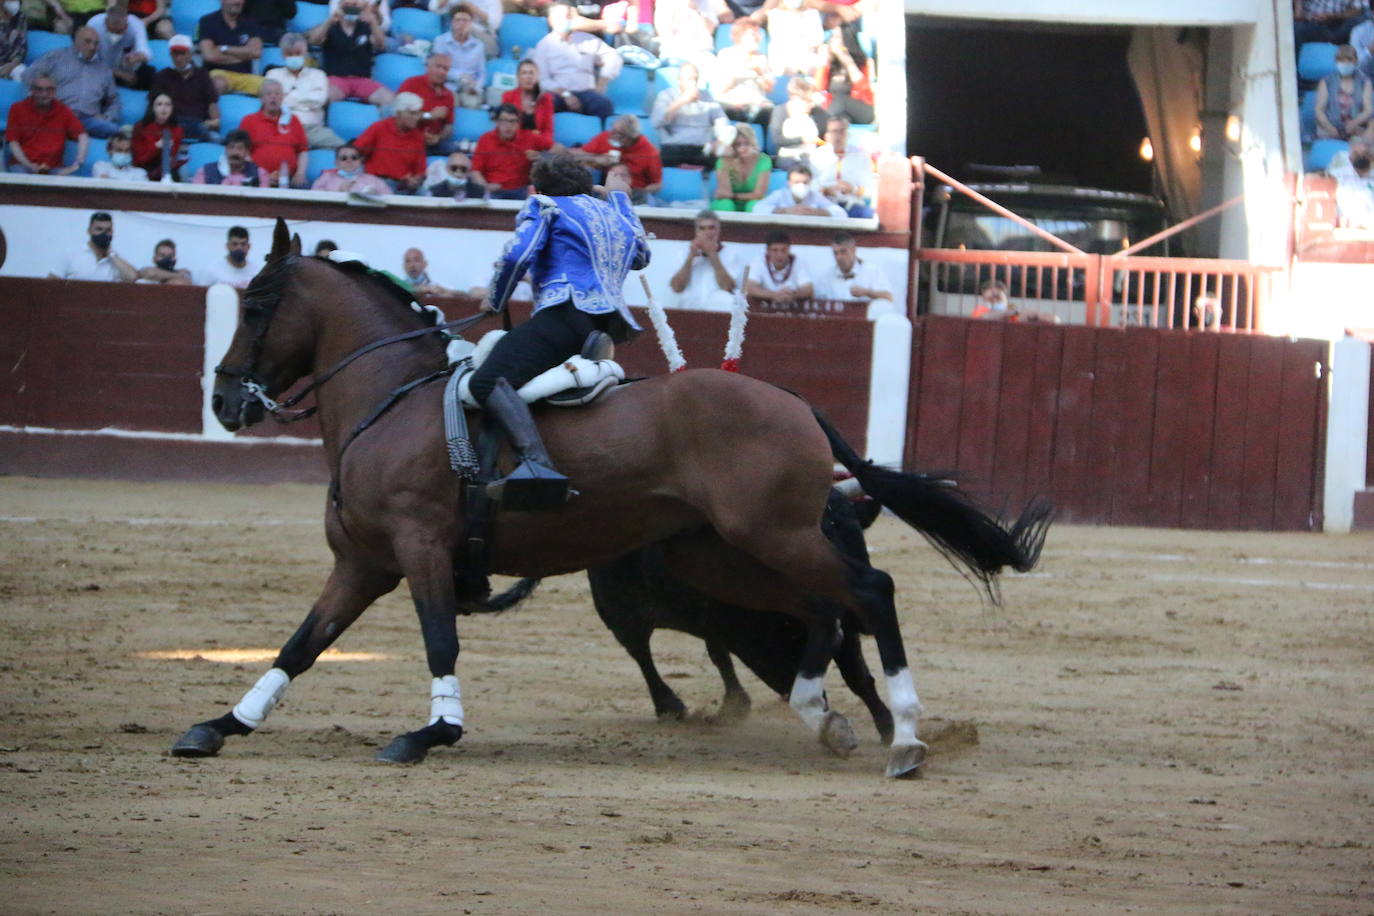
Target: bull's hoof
[(200, 741), (734, 709), (838, 735), (905, 761), (404, 749)]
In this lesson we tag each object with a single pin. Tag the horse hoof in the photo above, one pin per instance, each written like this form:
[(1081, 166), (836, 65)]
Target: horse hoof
[(403, 749), (838, 735), (905, 761), (200, 741)]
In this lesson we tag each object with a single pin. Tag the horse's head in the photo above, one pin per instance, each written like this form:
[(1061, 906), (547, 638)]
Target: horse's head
[(272, 345)]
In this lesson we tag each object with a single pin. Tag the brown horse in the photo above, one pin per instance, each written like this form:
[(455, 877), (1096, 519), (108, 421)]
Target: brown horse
[(730, 474)]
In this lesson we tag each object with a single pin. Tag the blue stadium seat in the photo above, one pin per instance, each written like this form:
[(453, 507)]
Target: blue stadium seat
[(470, 123), (11, 91), (682, 184), (95, 152), (665, 78), (645, 128), (308, 15), (186, 15), (316, 161), (161, 56), (41, 43), (573, 129), (777, 179), (416, 23), (1307, 115), (232, 108), (629, 92), (518, 30), (132, 104), (1315, 60), (723, 36), (198, 154), (779, 94), (501, 65), (391, 70), (1319, 155), (271, 57), (349, 119)]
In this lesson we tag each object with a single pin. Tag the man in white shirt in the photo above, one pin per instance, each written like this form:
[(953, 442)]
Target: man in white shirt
[(844, 173), (233, 268), (120, 166), (779, 276), (124, 45), (798, 198), (307, 91), (706, 279), (575, 66), (97, 260), (850, 279)]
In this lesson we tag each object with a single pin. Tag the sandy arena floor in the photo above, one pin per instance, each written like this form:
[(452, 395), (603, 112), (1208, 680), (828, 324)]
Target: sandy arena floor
[(1158, 721)]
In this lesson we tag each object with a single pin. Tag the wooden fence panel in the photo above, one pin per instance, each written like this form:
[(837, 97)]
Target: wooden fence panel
[(1228, 433), (1259, 455), (1198, 422), (1073, 477), (1301, 442), (1042, 420), (1131, 495), (1011, 457), (982, 391), (1174, 383)]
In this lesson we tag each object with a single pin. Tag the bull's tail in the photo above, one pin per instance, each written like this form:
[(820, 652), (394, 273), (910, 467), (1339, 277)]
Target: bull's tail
[(967, 536), (508, 599)]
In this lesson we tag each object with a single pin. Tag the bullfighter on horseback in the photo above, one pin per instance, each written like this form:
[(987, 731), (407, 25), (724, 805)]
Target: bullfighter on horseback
[(577, 249)]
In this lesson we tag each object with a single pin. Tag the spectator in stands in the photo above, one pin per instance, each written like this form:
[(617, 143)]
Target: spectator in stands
[(271, 17), (503, 155), (741, 78), (454, 179), (38, 129), (436, 119), (851, 278), (487, 16), (48, 15), (795, 35), (233, 268), (394, 147), (1362, 40), (575, 66), (1341, 164), (1326, 20), (796, 126), (96, 260), (164, 268), (78, 13), (306, 91), (192, 92), (158, 139), (688, 121), (604, 18), (467, 58), (14, 39), (798, 198), (1355, 187), (844, 75), (229, 43), (779, 275), (153, 15), (279, 143), (85, 83), (417, 275), (624, 143), (534, 104), (325, 247), (742, 175), (993, 305), (380, 9), (348, 174), (120, 165), (1345, 98), (845, 172), (235, 167), (706, 279), (124, 45), (351, 38), (687, 28)]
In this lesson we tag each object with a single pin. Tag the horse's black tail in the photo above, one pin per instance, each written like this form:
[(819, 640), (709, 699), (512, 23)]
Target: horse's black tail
[(506, 600), (966, 535)]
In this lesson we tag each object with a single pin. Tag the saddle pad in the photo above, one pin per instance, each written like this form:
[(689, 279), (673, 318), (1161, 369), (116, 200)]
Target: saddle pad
[(584, 379)]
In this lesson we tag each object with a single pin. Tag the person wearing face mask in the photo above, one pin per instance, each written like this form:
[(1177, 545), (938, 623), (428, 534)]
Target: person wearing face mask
[(1354, 185), (348, 174), (120, 166), (96, 260), (235, 168), (124, 45), (164, 268), (625, 143), (992, 304), (575, 66), (14, 41), (306, 91), (192, 91), (779, 276), (799, 198), (233, 268), (85, 83), (351, 38), (1345, 98)]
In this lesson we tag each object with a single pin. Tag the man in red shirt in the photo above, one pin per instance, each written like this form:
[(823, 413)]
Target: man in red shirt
[(279, 147), (624, 143), (394, 148), (38, 130), (503, 156), (437, 101)]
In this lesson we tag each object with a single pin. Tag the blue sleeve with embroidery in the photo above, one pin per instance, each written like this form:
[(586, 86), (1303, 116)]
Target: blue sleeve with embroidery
[(531, 232), (622, 203)]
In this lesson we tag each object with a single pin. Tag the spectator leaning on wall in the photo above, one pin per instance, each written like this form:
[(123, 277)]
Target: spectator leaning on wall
[(164, 268), (779, 276), (233, 268), (97, 260)]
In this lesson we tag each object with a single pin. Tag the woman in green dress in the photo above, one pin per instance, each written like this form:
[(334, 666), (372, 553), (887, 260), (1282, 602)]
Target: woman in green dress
[(742, 176)]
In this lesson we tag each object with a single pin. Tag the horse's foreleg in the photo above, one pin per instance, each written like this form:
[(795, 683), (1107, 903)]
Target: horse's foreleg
[(734, 706), (808, 690), (429, 571), (349, 591), (873, 588)]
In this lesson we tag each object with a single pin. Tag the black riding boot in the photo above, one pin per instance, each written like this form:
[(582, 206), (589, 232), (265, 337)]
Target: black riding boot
[(534, 486)]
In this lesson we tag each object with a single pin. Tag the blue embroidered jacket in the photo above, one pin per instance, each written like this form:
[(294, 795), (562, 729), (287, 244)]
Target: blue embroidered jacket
[(577, 248)]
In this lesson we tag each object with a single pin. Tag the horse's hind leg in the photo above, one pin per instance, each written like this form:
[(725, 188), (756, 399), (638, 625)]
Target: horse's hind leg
[(350, 590), (734, 706), (849, 658)]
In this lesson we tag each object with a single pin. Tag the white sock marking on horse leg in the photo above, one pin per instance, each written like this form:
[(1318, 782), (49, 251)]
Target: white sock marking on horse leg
[(906, 707), (808, 701), (446, 700), (261, 697)]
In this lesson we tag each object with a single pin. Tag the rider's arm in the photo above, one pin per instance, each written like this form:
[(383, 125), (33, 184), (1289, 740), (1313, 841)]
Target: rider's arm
[(621, 201), (531, 233)]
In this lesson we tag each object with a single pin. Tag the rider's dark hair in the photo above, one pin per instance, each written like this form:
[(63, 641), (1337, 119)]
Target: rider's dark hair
[(560, 175), (777, 237)]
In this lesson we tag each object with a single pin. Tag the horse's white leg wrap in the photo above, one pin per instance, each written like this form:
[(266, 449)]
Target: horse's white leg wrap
[(446, 700), (808, 701), (261, 697), (906, 707)]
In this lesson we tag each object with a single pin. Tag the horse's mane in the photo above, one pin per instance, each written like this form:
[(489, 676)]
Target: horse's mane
[(269, 285)]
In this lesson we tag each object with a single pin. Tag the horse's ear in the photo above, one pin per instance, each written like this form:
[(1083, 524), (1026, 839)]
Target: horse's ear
[(296, 244), (281, 241)]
